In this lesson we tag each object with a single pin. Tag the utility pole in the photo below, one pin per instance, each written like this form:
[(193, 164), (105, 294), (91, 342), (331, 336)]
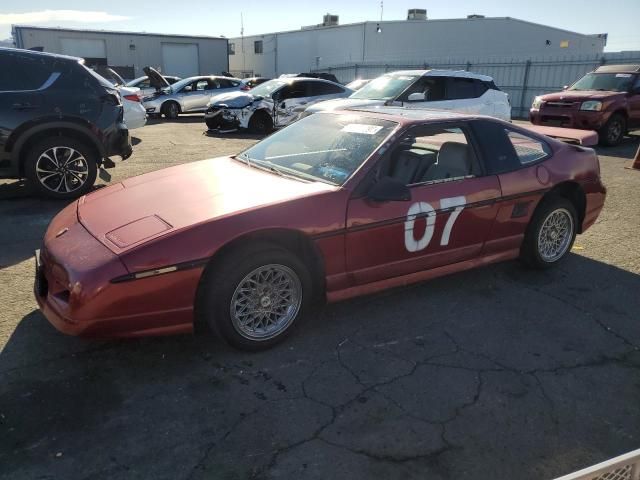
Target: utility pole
[(242, 41)]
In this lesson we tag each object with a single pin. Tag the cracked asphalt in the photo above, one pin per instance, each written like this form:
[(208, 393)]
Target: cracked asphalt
[(496, 373)]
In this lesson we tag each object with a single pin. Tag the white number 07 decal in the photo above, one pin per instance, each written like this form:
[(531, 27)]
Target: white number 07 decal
[(423, 208)]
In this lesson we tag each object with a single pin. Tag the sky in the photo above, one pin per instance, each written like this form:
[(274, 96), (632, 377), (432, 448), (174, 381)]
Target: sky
[(618, 18)]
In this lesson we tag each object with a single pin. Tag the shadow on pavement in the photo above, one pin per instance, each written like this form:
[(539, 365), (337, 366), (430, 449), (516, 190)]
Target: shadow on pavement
[(499, 372)]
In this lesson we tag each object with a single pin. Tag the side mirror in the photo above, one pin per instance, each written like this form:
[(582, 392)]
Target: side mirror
[(389, 189), (416, 97), (565, 87), (283, 105)]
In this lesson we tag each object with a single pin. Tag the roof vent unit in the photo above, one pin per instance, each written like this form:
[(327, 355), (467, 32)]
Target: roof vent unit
[(475, 15), (329, 20), (417, 14)]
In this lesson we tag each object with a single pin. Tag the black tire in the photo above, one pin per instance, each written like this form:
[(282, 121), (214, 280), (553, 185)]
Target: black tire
[(170, 110), (212, 123), (612, 133), (75, 173), (221, 280), (532, 250), (261, 122)]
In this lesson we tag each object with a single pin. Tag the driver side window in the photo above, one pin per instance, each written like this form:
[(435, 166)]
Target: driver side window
[(436, 153), (433, 89)]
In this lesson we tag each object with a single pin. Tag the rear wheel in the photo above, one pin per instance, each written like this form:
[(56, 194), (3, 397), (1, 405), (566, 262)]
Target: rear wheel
[(170, 110), (255, 296), (261, 122), (550, 233), (613, 131), (61, 167)]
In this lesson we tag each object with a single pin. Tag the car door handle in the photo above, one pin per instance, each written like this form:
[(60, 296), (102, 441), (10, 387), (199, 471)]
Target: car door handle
[(22, 106)]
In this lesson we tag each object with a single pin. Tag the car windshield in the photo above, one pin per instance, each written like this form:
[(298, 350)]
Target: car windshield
[(267, 88), (386, 87), (323, 147), (609, 82)]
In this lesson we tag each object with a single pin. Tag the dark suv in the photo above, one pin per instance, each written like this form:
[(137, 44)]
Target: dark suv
[(606, 100), (59, 121)]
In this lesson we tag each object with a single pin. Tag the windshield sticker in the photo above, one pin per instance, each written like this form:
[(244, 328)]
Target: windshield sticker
[(361, 128), (623, 75)]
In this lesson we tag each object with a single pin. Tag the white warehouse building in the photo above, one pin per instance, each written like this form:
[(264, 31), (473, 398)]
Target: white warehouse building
[(414, 41), (130, 52)]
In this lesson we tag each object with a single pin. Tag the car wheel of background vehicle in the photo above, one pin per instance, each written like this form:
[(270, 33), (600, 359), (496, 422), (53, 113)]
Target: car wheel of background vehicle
[(550, 233), (613, 131), (261, 122), (212, 123), (170, 110), (61, 167), (254, 296)]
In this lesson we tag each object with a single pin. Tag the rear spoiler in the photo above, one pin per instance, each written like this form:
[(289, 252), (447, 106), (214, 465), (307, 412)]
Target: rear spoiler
[(586, 138)]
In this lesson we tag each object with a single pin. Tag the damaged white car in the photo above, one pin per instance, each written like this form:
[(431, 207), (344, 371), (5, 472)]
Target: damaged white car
[(273, 104)]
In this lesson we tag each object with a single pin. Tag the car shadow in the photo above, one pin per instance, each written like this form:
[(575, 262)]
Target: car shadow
[(239, 134), (625, 150), (62, 393), (186, 118)]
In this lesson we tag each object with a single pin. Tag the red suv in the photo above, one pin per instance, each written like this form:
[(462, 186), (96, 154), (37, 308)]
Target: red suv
[(606, 100)]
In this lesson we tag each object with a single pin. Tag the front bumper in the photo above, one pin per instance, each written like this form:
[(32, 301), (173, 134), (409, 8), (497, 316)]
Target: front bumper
[(218, 117), (74, 290), (568, 117)]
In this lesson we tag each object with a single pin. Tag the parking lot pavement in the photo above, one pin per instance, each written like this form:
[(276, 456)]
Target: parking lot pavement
[(498, 373)]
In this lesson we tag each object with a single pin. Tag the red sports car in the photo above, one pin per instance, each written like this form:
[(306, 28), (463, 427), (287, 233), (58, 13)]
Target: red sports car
[(334, 206)]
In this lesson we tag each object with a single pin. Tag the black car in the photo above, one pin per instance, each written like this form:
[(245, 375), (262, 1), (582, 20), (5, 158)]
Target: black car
[(59, 122)]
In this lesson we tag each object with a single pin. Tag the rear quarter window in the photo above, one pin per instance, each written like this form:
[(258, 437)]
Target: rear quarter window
[(528, 149), (23, 73)]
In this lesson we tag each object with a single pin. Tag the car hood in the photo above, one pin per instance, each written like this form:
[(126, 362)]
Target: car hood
[(342, 104), (235, 99), (575, 95), (156, 80), (140, 209)]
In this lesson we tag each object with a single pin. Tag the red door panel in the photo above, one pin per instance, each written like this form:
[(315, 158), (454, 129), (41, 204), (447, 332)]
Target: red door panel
[(443, 223)]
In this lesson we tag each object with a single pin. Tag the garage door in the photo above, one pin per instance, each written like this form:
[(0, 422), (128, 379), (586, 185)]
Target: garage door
[(83, 47), (180, 59)]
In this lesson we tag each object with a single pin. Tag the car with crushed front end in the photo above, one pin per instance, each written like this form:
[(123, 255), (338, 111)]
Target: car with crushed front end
[(59, 122), (273, 104), (334, 206), (189, 95), (606, 100)]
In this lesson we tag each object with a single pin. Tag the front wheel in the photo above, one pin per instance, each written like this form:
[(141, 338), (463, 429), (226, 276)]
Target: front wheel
[(61, 167), (255, 297), (613, 131), (171, 110), (550, 234), (261, 122)]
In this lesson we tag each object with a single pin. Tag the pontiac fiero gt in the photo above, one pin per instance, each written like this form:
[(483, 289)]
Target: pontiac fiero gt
[(334, 206)]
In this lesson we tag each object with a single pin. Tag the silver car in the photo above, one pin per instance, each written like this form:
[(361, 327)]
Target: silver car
[(144, 83), (188, 95)]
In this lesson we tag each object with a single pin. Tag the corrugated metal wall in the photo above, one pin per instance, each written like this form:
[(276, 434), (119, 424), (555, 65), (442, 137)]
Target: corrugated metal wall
[(521, 79), (128, 49)]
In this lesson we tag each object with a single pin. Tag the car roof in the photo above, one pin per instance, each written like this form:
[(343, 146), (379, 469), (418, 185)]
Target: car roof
[(306, 79), (618, 69), (58, 56), (443, 73)]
